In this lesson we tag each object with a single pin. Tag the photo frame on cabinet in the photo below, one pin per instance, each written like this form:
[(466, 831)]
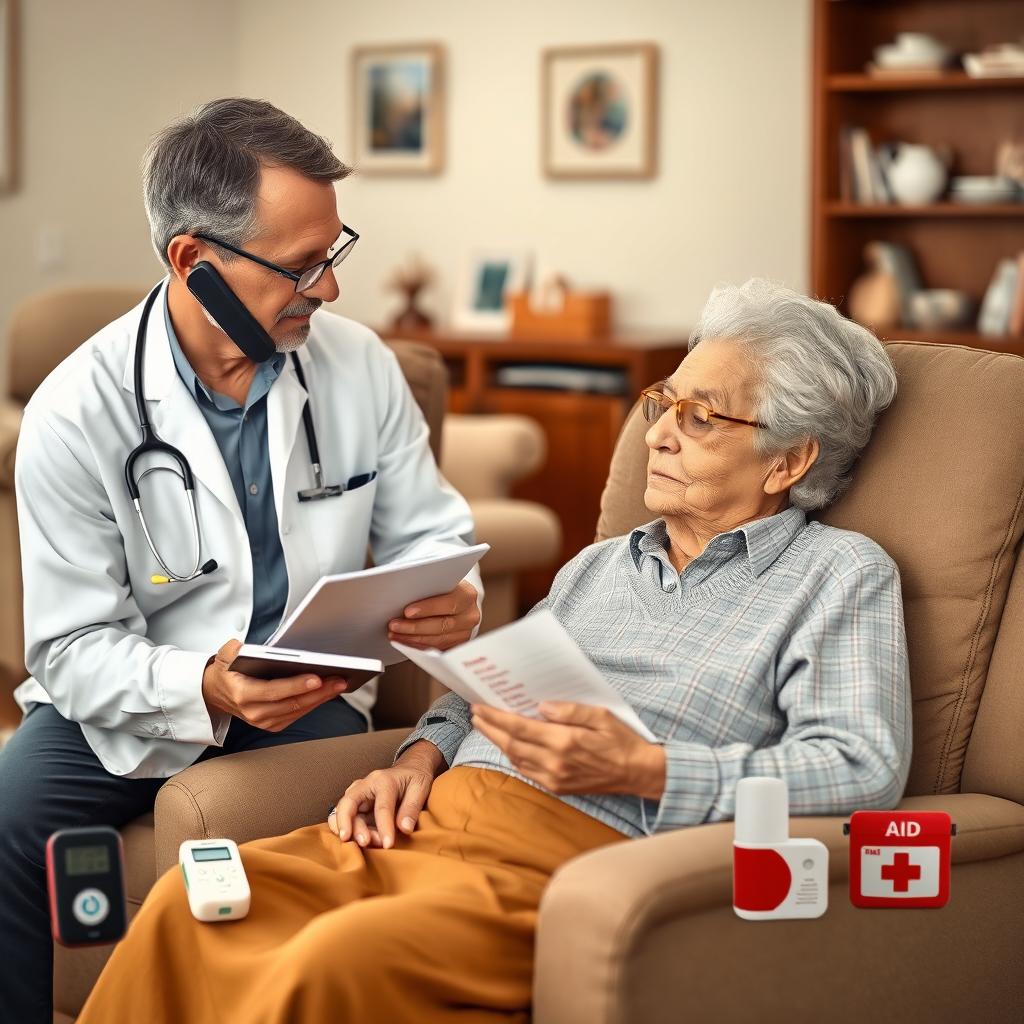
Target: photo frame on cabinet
[(482, 288)]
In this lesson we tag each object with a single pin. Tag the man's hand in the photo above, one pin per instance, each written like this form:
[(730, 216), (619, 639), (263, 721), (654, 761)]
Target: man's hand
[(270, 704), (579, 749), (367, 812), (444, 621)]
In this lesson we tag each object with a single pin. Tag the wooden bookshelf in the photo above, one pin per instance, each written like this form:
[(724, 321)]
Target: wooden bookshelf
[(955, 245), (861, 82), (944, 209)]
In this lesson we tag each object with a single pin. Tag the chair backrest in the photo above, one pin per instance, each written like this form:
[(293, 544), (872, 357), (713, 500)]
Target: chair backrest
[(940, 487), (47, 327), (406, 691)]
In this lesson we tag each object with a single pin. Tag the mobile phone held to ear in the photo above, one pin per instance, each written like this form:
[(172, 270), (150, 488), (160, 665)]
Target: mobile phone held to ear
[(214, 295)]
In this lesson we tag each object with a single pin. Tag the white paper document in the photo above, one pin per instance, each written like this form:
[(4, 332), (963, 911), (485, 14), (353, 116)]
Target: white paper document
[(516, 667), (348, 613)]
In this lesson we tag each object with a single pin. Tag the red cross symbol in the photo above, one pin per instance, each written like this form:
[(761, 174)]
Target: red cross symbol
[(900, 872)]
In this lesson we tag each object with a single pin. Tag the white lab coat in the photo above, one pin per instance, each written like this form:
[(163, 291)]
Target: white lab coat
[(125, 657)]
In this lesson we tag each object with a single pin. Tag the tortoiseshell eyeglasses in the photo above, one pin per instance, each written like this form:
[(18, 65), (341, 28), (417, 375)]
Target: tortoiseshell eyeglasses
[(692, 416)]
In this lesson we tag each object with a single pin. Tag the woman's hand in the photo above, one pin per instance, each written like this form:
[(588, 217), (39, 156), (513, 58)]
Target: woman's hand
[(367, 811), (442, 622), (579, 749)]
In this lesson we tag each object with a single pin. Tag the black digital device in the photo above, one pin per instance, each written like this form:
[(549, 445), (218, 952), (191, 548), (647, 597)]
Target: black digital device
[(85, 879), (214, 295)]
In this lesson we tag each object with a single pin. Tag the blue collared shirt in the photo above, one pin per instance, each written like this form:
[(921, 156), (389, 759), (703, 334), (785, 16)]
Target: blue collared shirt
[(241, 435), (780, 650)]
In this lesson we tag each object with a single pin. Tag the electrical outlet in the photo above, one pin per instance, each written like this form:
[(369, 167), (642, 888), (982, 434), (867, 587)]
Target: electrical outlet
[(50, 249)]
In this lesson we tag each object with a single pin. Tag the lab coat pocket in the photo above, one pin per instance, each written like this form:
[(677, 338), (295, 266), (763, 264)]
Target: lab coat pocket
[(340, 528)]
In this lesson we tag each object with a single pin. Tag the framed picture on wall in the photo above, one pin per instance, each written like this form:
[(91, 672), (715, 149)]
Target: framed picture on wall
[(398, 117), (600, 111), (480, 291), (8, 95)]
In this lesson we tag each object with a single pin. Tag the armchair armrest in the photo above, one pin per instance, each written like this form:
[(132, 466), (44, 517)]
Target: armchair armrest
[(607, 915), (10, 425), (522, 534), (482, 456), (261, 793)]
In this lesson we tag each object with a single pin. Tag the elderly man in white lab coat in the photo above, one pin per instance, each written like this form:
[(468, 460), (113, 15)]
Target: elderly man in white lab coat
[(129, 677)]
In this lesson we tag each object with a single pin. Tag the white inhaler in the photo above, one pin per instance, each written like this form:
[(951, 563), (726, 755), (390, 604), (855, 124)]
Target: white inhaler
[(774, 877)]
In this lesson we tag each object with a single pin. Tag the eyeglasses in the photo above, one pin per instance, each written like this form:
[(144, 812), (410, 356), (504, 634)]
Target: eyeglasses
[(304, 279), (694, 418)]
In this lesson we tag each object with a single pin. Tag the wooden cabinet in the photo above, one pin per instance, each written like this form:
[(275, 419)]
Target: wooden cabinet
[(581, 427), (955, 245)]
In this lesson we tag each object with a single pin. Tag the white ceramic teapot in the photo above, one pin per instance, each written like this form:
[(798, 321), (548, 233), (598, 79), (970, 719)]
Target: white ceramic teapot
[(916, 174)]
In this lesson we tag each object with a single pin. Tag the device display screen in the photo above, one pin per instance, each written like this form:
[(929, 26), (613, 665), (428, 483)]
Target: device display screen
[(212, 853), (87, 860)]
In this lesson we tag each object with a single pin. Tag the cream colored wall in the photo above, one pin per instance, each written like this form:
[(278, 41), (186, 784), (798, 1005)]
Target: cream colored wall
[(731, 199), (98, 79)]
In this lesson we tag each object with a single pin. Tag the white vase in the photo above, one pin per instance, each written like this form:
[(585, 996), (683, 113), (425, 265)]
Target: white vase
[(916, 174)]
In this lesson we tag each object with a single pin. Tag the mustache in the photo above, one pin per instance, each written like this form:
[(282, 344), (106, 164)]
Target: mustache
[(304, 308)]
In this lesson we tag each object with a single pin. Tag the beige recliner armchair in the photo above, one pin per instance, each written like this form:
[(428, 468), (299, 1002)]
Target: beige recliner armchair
[(644, 931), (43, 330)]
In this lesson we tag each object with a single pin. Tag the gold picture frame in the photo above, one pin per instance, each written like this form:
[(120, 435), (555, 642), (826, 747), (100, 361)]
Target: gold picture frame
[(599, 111), (398, 117), (9, 29)]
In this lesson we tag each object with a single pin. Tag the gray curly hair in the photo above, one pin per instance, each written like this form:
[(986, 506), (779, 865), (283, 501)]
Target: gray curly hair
[(819, 375), (202, 173)]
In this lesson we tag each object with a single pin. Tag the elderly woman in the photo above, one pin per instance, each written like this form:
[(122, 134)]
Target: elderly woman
[(749, 640)]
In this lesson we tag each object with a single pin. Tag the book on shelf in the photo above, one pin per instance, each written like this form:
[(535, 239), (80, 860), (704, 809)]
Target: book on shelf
[(997, 307), (861, 176), (845, 165), (1016, 326), (898, 261), (860, 166), (879, 182)]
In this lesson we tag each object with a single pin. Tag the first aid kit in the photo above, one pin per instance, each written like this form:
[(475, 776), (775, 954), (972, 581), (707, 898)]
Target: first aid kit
[(214, 879), (899, 858)]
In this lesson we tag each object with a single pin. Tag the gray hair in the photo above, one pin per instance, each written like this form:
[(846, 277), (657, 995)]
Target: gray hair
[(818, 375), (202, 173)]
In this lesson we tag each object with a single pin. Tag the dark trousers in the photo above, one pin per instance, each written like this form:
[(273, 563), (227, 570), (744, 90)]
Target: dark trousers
[(50, 779)]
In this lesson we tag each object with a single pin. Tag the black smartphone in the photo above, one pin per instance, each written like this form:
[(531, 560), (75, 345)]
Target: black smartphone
[(212, 292)]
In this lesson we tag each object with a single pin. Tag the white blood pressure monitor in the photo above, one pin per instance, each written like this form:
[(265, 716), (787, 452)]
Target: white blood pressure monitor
[(214, 879)]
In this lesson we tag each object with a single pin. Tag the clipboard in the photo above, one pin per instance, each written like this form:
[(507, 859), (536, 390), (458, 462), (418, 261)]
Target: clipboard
[(348, 613)]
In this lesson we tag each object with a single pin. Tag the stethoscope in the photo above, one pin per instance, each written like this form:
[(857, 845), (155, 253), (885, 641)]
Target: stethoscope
[(151, 442)]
